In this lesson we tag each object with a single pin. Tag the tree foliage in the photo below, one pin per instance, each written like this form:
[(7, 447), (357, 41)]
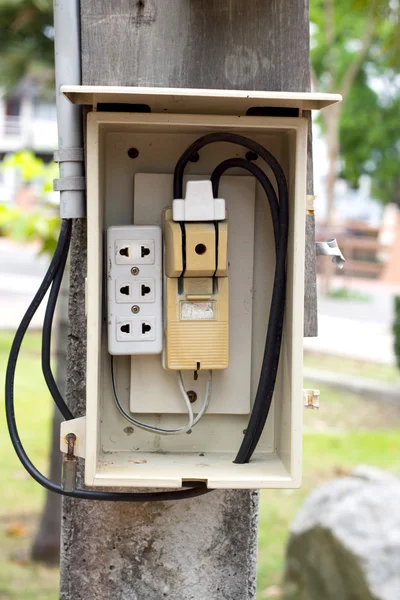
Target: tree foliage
[(356, 51), (26, 41), (41, 224)]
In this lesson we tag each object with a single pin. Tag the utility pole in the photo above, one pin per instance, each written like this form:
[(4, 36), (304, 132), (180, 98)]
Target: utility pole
[(203, 548)]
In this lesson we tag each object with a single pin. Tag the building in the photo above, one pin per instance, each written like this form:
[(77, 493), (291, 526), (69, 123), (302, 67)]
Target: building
[(28, 121)]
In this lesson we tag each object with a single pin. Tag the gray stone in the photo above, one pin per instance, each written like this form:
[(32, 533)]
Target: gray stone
[(345, 541)]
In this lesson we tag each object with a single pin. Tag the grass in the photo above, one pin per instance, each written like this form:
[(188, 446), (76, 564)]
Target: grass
[(352, 366), (349, 294), (21, 498), (347, 431)]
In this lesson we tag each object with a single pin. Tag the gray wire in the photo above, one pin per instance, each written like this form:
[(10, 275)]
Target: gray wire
[(159, 430)]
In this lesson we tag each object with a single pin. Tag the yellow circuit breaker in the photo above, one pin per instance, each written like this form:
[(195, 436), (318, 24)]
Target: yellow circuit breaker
[(196, 294)]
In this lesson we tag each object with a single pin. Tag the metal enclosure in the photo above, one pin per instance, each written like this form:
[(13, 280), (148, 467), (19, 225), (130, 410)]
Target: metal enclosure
[(122, 191)]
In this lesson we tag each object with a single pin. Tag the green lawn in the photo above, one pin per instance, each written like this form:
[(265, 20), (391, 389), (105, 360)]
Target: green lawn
[(21, 498), (352, 366), (345, 432)]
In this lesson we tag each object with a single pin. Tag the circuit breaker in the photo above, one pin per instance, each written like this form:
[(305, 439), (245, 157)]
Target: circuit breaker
[(196, 211)]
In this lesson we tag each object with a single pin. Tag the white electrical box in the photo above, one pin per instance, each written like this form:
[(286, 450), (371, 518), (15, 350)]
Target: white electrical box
[(131, 157)]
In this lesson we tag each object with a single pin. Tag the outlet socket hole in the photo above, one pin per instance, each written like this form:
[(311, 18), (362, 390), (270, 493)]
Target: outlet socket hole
[(200, 249), (126, 328), (125, 290), (145, 290), (124, 251), (144, 251), (146, 328)]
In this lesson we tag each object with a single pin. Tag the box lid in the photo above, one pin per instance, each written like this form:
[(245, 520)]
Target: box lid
[(193, 101)]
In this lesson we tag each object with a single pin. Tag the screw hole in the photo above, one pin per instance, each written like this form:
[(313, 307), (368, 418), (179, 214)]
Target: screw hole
[(192, 396), (251, 155), (200, 249), (195, 157), (133, 152)]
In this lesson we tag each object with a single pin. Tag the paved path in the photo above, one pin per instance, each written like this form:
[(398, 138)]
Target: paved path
[(357, 329), (21, 272)]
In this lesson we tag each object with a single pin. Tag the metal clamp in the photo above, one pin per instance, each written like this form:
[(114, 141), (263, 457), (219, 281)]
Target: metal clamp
[(71, 183), (69, 155), (330, 248)]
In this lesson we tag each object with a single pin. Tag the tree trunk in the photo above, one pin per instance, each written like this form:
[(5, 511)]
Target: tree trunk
[(46, 545), (203, 548)]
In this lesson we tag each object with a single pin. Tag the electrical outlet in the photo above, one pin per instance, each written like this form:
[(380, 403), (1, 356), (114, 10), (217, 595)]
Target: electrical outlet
[(137, 329), (134, 252), (134, 288)]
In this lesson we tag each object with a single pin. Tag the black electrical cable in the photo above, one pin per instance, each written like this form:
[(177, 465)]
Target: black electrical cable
[(46, 336), (267, 380), (272, 347), (263, 179), (57, 262)]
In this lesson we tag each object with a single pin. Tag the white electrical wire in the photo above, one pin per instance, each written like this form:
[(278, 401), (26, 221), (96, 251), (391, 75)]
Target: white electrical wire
[(178, 431), (206, 398)]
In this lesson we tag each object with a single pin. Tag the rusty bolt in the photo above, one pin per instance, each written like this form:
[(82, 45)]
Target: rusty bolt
[(135, 309), (135, 270), (70, 438)]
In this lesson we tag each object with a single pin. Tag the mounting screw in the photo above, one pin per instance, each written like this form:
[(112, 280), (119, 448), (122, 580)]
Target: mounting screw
[(135, 270), (135, 309), (192, 396)]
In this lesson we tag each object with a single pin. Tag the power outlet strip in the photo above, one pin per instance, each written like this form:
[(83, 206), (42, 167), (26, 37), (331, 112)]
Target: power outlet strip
[(134, 289)]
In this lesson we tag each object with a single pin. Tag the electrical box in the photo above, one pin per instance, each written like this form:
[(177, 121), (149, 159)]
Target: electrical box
[(191, 296)]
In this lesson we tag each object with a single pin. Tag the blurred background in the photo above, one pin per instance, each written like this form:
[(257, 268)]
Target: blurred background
[(353, 362)]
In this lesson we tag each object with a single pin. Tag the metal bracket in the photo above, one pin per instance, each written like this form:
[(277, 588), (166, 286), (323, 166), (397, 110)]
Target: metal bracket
[(311, 398), (77, 427), (71, 183), (330, 248), (310, 204)]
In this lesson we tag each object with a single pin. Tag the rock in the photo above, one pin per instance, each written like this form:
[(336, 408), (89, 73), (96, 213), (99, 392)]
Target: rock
[(345, 541)]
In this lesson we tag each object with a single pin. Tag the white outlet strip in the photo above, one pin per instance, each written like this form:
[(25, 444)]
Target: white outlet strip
[(134, 289)]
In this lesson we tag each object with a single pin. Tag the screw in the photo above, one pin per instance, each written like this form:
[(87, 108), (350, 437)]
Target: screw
[(70, 438), (135, 270), (192, 396), (135, 309)]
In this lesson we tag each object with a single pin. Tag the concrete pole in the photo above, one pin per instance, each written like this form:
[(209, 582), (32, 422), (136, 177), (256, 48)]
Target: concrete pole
[(205, 548)]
